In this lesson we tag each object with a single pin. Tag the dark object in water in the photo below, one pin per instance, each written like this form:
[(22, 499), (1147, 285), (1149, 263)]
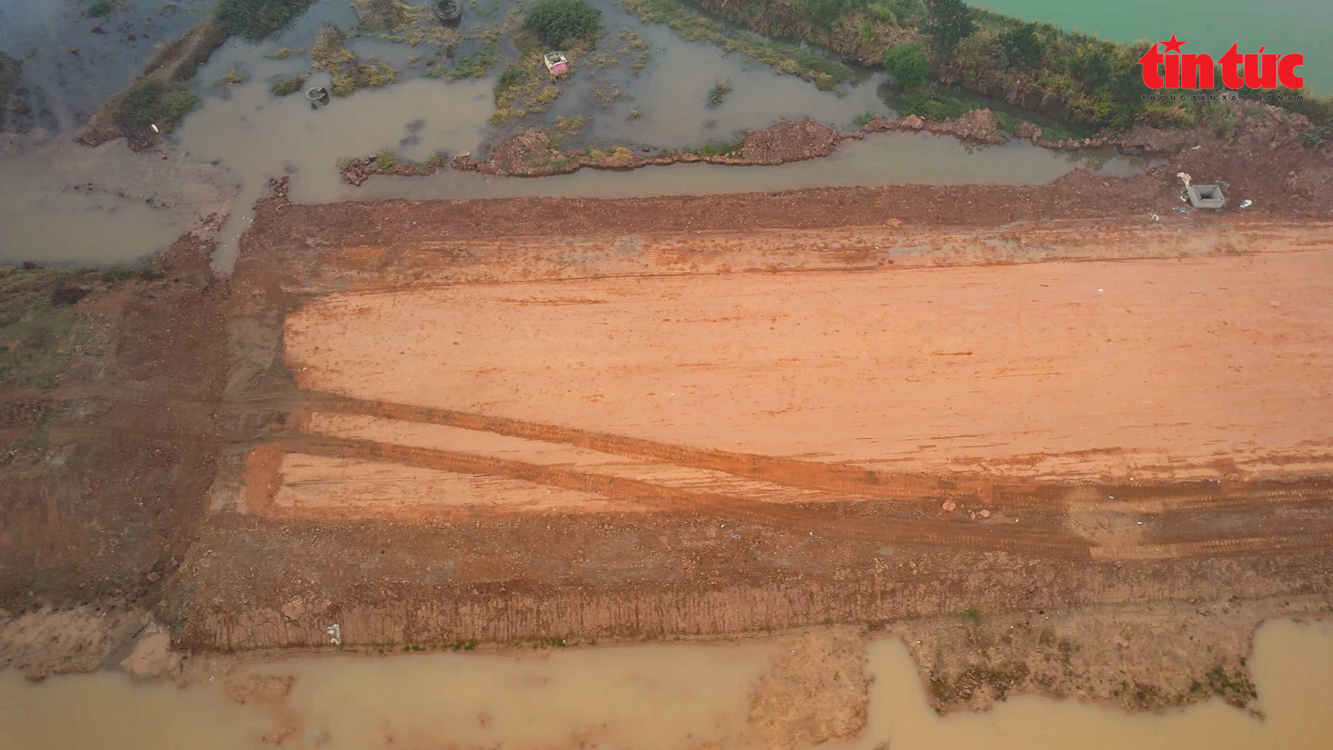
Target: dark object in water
[(449, 12), (317, 97)]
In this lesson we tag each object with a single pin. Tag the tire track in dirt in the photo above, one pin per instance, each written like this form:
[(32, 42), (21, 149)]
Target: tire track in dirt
[(857, 482), (925, 533), (837, 478)]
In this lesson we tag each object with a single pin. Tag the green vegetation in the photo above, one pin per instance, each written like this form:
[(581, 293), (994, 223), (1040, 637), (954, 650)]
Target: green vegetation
[(285, 52), (1235, 688), (329, 53), (907, 64), (147, 103), (524, 88), (948, 23), (255, 20), (38, 332), (560, 22), (1078, 79), (722, 149), (863, 120), (783, 57), (100, 9), (396, 21), (288, 86), (972, 615), (719, 92), (233, 77)]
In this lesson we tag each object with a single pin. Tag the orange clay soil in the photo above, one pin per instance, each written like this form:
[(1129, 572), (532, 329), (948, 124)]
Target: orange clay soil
[(1150, 369)]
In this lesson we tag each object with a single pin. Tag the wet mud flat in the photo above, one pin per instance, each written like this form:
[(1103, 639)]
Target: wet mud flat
[(796, 689)]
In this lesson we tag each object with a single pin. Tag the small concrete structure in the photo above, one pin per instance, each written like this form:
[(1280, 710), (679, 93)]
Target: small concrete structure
[(1206, 196), (318, 97), (556, 63)]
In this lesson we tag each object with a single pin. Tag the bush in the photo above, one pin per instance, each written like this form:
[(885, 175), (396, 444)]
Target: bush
[(1022, 48), (100, 9), (907, 64), (949, 23), (556, 22)]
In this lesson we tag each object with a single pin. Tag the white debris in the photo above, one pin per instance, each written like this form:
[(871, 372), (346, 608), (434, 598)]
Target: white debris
[(335, 632), (1246, 203)]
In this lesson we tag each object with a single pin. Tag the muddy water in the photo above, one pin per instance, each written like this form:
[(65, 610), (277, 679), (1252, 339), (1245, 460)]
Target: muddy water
[(882, 159), (65, 203), (659, 696)]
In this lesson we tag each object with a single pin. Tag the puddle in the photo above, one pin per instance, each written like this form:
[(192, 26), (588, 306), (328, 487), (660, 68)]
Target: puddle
[(66, 203), (654, 696)]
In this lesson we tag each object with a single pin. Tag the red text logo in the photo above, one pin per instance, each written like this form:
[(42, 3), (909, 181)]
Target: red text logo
[(1173, 69)]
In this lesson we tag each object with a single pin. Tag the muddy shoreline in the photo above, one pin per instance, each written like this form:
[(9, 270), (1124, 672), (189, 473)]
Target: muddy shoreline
[(532, 154)]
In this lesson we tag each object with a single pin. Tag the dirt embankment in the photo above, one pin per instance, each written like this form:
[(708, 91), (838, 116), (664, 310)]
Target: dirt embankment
[(174, 63), (1265, 153), (104, 464)]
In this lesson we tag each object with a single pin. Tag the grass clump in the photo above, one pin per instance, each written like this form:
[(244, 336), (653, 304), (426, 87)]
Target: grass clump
[(560, 22), (147, 103), (255, 20), (283, 53), (722, 149), (972, 615), (719, 92), (329, 53), (233, 77), (288, 86)]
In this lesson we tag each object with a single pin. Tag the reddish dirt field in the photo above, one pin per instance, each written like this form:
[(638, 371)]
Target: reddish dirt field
[(519, 420)]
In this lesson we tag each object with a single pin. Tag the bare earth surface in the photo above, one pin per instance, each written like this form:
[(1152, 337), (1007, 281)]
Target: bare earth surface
[(1103, 437)]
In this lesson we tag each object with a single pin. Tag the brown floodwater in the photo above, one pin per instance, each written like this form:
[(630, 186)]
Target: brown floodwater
[(648, 696)]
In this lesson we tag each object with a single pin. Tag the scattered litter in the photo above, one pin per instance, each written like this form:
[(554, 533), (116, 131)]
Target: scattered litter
[(1185, 179), (154, 127), (1184, 198), (1155, 217), (335, 632), (1196, 148), (1139, 523), (1182, 210), (1246, 203), (1099, 291), (735, 536)]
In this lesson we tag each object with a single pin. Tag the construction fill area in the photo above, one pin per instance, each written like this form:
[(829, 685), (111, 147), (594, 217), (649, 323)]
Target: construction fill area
[(665, 434)]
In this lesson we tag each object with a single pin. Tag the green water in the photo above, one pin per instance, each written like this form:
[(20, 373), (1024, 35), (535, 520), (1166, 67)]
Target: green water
[(1210, 26)]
